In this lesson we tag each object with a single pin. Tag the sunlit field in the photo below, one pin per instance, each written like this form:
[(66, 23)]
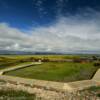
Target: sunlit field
[(57, 71), (49, 70)]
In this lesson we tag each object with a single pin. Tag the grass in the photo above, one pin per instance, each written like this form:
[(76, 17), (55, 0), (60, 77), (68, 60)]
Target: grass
[(93, 90), (57, 71), (15, 64), (9, 94), (41, 56), (8, 61)]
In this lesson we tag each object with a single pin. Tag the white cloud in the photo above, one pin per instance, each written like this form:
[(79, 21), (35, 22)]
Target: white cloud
[(71, 34)]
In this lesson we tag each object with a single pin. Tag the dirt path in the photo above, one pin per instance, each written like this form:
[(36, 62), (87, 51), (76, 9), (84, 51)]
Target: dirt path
[(18, 67)]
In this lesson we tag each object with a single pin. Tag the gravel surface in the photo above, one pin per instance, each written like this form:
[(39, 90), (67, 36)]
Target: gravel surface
[(41, 94)]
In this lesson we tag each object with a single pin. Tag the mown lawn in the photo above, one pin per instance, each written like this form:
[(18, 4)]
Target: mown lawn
[(57, 71)]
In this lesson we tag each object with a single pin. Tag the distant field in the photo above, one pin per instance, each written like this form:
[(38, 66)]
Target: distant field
[(45, 56), (8, 61), (57, 71)]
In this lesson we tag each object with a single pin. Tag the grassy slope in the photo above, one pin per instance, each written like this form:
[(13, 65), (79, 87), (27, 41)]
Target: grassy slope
[(65, 71)]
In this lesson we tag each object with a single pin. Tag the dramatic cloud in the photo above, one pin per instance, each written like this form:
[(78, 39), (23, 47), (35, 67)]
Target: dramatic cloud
[(70, 34)]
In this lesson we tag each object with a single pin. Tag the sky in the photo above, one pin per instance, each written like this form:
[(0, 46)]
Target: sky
[(50, 25)]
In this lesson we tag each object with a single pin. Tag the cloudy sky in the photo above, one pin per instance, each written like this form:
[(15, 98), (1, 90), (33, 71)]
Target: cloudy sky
[(50, 25)]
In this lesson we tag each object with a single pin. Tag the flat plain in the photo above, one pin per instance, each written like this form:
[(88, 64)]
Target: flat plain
[(51, 71)]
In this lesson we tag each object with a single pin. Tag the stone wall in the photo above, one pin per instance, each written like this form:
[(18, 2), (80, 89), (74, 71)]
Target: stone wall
[(49, 90)]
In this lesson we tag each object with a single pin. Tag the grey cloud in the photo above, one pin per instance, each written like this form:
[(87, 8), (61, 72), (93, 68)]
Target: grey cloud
[(67, 34)]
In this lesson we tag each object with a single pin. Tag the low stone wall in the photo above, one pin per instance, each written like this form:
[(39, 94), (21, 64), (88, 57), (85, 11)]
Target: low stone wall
[(41, 94), (49, 85), (46, 90), (96, 77), (53, 89)]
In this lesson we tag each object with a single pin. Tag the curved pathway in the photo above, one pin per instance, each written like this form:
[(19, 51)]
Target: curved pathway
[(18, 67)]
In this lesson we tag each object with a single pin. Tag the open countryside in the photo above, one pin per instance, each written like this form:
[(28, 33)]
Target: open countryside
[(63, 68), (49, 49)]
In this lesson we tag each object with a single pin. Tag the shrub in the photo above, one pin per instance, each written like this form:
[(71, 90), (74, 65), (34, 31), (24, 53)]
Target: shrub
[(97, 64)]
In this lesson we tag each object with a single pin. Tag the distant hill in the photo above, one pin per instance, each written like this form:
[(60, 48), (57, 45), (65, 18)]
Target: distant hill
[(7, 52)]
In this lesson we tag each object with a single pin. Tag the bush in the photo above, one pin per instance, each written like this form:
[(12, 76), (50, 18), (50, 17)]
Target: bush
[(97, 64), (77, 60)]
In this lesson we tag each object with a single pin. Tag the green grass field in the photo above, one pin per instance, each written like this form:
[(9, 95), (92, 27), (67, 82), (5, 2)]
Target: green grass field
[(57, 71)]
